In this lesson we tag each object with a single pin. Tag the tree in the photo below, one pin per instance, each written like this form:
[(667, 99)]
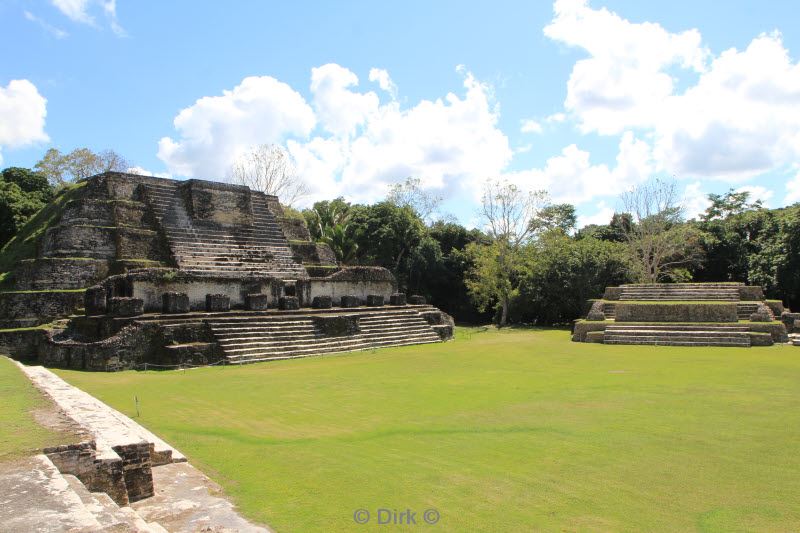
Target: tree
[(80, 163), (329, 222), (386, 235), (269, 169), (22, 193), (661, 246), (411, 194), (510, 216), (326, 214), (509, 211), (340, 238), (561, 273), (28, 181), (754, 245), (729, 204), (442, 278), (560, 217)]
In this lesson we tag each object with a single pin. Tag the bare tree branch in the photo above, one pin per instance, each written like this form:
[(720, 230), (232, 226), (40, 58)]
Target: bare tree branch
[(509, 211), (657, 238), (269, 169)]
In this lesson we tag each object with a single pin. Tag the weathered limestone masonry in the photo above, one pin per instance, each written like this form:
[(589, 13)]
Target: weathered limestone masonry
[(121, 478), (195, 272), (684, 314)]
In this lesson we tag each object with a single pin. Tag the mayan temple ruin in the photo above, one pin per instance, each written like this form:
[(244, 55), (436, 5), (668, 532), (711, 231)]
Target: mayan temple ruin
[(687, 314), (132, 271)]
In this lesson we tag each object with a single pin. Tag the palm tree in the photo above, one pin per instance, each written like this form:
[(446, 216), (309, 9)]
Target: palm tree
[(330, 225)]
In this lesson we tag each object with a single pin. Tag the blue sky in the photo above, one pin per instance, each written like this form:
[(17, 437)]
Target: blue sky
[(584, 99)]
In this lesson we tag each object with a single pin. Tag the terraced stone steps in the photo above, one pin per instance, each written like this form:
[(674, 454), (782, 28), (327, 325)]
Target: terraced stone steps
[(728, 296), (243, 316), (678, 335), (259, 249), (246, 339), (681, 291), (744, 310)]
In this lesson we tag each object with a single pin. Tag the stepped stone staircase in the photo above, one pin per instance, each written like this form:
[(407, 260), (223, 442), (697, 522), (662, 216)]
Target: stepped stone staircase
[(255, 336), (260, 248), (678, 335), (743, 309), (683, 314), (249, 339), (682, 291)]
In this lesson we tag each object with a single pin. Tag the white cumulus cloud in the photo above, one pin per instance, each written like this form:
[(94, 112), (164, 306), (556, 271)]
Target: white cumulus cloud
[(695, 200), (339, 109), (345, 141), (758, 192), (530, 126), (572, 177), (215, 129), (793, 190), (623, 82), (384, 81), (729, 116), (601, 216), (22, 115)]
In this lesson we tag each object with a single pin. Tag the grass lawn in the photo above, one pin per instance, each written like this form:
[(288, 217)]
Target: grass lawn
[(519, 430), (20, 433)]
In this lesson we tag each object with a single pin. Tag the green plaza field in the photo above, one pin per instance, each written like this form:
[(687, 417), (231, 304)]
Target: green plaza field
[(514, 430)]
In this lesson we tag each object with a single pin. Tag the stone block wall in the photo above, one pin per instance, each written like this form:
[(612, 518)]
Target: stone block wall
[(295, 229), (26, 309), (218, 203), (352, 281), (59, 273), (136, 470), (337, 325), (150, 288), (313, 253), (98, 242), (133, 243), (98, 474), (751, 293), (690, 312)]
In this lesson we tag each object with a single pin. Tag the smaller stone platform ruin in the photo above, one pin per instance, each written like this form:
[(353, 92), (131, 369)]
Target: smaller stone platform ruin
[(134, 270), (685, 314)]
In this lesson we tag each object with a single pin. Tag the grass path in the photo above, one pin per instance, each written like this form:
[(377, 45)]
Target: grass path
[(516, 430), (20, 433)]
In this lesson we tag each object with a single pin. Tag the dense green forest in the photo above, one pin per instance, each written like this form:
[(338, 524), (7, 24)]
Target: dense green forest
[(541, 271), (559, 267)]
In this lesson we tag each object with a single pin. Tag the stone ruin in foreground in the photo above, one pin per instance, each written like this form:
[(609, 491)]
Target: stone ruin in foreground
[(687, 314), (136, 270)]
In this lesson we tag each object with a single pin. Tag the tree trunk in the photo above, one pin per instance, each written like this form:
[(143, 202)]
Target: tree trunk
[(503, 311)]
